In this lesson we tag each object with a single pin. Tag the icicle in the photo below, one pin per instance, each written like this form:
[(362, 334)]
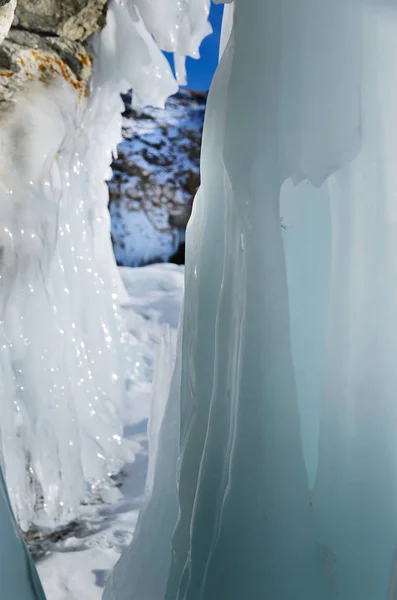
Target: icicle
[(178, 27), (180, 69)]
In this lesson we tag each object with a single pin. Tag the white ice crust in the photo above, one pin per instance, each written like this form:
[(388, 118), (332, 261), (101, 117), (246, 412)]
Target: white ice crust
[(65, 355)]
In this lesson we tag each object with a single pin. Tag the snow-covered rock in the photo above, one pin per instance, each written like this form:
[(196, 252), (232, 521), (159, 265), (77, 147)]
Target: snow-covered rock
[(155, 178)]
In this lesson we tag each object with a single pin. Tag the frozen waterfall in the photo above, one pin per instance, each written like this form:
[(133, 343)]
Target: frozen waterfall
[(282, 481), (65, 355)]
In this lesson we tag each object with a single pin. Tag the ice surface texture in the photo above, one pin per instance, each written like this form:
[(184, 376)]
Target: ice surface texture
[(282, 483)]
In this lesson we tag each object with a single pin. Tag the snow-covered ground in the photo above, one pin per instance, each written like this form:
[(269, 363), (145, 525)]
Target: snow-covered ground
[(77, 566)]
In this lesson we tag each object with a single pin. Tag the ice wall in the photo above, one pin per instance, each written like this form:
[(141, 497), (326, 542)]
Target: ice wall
[(64, 352), (285, 481), (241, 469)]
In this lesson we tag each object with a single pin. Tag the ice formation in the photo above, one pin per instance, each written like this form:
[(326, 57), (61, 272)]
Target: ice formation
[(65, 354), (178, 27), (18, 577), (282, 482)]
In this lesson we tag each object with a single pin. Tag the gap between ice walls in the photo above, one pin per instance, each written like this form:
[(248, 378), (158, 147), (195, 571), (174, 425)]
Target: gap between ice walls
[(65, 355)]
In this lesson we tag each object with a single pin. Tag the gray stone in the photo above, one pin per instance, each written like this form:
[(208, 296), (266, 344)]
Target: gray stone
[(26, 56), (74, 19), (4, 2)]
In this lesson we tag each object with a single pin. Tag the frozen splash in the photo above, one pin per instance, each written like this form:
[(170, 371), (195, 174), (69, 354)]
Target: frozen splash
[(65, 355)]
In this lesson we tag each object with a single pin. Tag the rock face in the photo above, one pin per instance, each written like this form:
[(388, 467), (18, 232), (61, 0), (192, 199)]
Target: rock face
[(26, 56), (156, 176), (72, 19), (47, 40)]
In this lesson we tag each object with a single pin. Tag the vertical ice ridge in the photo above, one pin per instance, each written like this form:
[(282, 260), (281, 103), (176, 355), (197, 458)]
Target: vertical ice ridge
[(232, 394), (273, 496)]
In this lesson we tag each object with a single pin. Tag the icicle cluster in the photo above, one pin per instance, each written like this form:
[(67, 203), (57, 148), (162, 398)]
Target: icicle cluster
[(178, 26), (64, 351), (282, 482)]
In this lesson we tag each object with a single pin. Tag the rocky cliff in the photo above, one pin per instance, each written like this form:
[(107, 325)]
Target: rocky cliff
[(156, 175)]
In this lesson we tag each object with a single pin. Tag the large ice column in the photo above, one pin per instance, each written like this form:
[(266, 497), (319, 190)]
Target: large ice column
[(18, 576), (242, 469), (65, 354), (286, 475), (244, 518)]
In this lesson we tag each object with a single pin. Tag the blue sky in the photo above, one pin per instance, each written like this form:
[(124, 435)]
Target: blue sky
[(200, 72)]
